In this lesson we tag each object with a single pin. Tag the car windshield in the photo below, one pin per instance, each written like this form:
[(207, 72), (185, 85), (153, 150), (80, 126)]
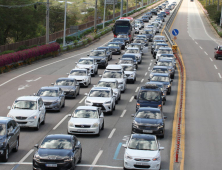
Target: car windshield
[(142, 144), (64, 82), (132, 51), (86, 61), (148, 114), (118, 40), (164, 63), (50, 143), (139, 41), (78, 73), (125, 61), (25, 104), (128, 68), (159, 70), (137, 46), (131, 56), (112, 74), (160, 78), (161, 51), (149, 95), (113, 45), (137, 22), (82, 113), (48, 93), (158, 46), (107, 84), (2, 129), (99, 93), (97, 53), (122, 36), (106, 49)]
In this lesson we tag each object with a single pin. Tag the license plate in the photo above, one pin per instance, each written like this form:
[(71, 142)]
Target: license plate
[(80, 130), (51, 165), (140, 163), (22, 125), (147, 131)]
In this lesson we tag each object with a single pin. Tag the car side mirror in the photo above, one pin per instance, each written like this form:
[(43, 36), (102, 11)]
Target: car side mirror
[(165, 117), (9, 107), (124, 145), (101, 116), (52, 83), (76, 62), (89, 74), (215, 48), (166, 40), (119, 87), (36, 146), (88, 55), (11, 134), (134, 69), (161, 148), (76, 147), (135, 96), (67, 73), (148, 79), (100, 75), (171, 81), (132, 115), (69, 115), (62, 95), (34, 94), (86, 94)]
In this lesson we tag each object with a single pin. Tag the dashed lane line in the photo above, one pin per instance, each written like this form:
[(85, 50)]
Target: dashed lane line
[(219, 75), (131, 99), (123, 113), (205, 52), (211, 59), (82, 99), (215, 67), (111, 133), (137, 89)]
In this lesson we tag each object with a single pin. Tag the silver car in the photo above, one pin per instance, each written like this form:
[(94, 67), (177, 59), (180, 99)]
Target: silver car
[(135, 51), (81, 75), (130, 72), (88, 63)]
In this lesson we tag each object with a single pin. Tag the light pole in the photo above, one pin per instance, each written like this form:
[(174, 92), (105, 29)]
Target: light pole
[(114, 5), (121, 10), (126, 7), (47, 22), (104, 15), (64, 33), (95, 16)]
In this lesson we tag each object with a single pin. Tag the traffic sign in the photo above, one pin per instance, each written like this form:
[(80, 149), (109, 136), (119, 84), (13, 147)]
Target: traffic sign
[(175, 32), (174, 47)]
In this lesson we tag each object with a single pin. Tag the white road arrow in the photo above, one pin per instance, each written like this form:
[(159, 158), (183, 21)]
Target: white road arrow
[(33, 80), (23, 87)]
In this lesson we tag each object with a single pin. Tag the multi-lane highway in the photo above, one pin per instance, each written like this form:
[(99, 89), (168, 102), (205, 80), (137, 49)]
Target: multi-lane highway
[(197, 41), (98, 152)]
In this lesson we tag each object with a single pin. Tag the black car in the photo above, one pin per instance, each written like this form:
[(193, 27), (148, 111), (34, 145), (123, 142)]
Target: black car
[(149, 34), (125, 37), (58, 151), (70, 86), (115, 47), (121, 41), (153, 11), (145, 18), (163, 13), (108, 52), (149, 120), (135, 59), (100, 57), (9, 137), (161, 16)]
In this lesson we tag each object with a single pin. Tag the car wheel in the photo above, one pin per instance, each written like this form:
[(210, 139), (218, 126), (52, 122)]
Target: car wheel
[(38, 125), (43, 122), (93, 75), (120, 97), (78, 92), (125, 168), (89, 82), (64, 104), (98, 134), (164, 102), (172, 77), (5, 156), (59, 108), (80, 158), (15, 149), (102, 126), (216, 57), (169, 91), (116, 102), (74, 96), (111, 112)]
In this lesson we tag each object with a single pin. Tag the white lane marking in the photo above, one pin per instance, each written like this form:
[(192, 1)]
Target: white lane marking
[(145, 73), (200, 47), (124, 111), (137, 89), (205, 52), (15, 163), (215, 66), (82, 99), (46, 66), (148, 68), (60, 122), (151, 60), (192, 39), (150, 64), (196, 42), (142, 80), (33, 80), (26, 156), (211, 59), (23, 87), (131, 99), (97, 157), (111, 133), (219, 75)]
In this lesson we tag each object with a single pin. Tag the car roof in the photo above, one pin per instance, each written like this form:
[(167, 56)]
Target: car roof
[(108, 80), (159, 36), (135, 44), (134, 48), (161, 43), (161, 74), (127, 65), (126, 59), (50, 87), (159, 83), (144, 136), (86, 58), (5, 120), (66, 78), (165, 60), (160, 67), (114, 66), (63, 136), (102, 47), (98, 50), (129, 54), (87, 107), (165, 48), (29, 98), (167, 55), (101, 88)]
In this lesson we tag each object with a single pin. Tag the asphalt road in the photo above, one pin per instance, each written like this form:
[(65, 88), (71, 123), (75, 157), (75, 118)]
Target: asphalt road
[(100, 151), (197, 41)]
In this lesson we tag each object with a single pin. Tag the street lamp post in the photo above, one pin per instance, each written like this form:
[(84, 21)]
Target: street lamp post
[(64, 33), (104, 15), (126, 7), (114, 5), (47, 22), (121, 10), (95, 16)]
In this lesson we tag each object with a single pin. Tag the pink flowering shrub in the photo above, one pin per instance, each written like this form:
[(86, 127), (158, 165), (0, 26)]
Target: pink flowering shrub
[(31, 53)]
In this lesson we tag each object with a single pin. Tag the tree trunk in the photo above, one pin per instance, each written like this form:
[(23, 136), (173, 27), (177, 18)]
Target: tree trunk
[(218, 2)]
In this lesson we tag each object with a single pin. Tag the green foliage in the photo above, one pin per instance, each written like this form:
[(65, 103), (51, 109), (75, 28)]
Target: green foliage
[(59, 40), (213, 13), (7, 52)]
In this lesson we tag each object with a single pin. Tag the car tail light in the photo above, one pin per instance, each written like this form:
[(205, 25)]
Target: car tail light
[(115, 36), (129, 36)]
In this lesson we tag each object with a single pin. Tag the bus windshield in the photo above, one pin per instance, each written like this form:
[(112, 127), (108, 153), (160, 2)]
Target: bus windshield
[(122, 27)]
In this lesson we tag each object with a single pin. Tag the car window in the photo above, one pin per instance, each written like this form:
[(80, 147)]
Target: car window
[(142, 144), (2, 129), (86, 61), (9, 127), (97, 53), (48, 93), (149, 95), (50, 143), (64, 82), (160, 78), (147, 114), (220, 48), (128, 68), (112, 74), (13, 124), (84, 113), (78, 73), (106, 84), (25, 104), (99, 93)]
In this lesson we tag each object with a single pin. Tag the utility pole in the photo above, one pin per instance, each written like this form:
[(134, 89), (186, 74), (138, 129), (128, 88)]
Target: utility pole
[(142, 3), (136, 4), (218, 3), (64, 33), (114, 5), (47, 22), (95, 17), (121, 9), (221, 16), (126, 7), (104, 15)]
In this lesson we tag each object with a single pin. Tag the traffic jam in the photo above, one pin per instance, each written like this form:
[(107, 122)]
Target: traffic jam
[(134, 41)]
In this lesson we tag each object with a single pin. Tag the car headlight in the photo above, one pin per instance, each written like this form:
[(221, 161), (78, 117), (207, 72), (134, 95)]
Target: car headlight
[(109, 102), (37, 158), (155, 159), (170, 70), (85, 79), (11, 116), (160, 126), (72, 90), (168, 86), (91, 67), (87, 101), (71, 124), (131, 75), (127, 156), (116, 93), (55, 102), (95, 125), (159, 106), (33, 117), (68, 159), (77, 66)]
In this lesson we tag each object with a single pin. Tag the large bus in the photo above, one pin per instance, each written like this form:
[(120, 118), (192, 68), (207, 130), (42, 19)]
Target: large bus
[(123, 25)]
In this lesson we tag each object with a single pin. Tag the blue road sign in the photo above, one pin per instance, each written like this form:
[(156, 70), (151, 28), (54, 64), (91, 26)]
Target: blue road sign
[(175, 32)]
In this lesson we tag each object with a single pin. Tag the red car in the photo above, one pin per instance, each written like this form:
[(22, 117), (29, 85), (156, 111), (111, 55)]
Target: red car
[(218, 52)]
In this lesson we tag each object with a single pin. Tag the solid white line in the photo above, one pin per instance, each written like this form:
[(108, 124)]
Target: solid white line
[(124, 111), (131, 99), (211, 59), (137, 89), (60, 122), (205, 52), (142, 80), (219, 75), (200, 47), (196, 42), (97, 157), (82, 99), (26, 156), (145, 73), (111, 133), (15, 163), (215, 66)]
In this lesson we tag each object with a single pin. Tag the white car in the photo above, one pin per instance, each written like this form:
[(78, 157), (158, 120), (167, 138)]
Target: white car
[(163, 50), (117, 75), (88, 63), (101, 97), (142, 152), (135, 51), (112, 83), (28, 111), (81, 75), (114, 67), (151, 27), (86, 120), (130, 72)]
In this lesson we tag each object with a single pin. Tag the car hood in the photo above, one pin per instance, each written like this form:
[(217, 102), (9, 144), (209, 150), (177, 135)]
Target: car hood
[(114, 47), (115, 90), (165, 83), (66, 88), (148, 121), (128, 72), (54, 154), (49, 99), (22, 112), (78, 77), (98, 99), (141, 153), (83, 121), (83, 66)]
